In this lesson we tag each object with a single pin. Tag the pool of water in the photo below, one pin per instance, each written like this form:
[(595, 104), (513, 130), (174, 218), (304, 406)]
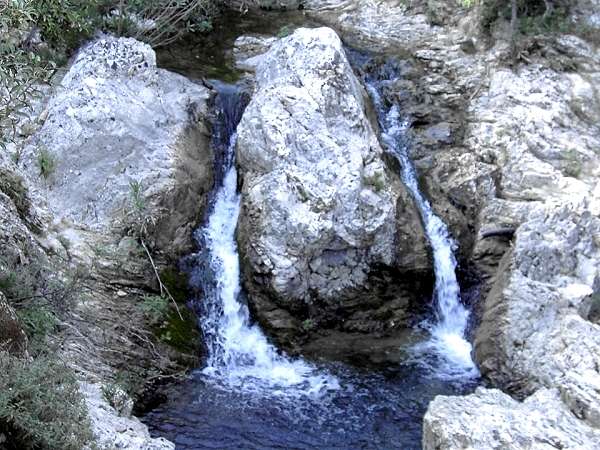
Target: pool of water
[(368, 411)]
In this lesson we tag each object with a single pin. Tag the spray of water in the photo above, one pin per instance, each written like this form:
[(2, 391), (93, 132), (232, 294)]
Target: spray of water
[(239, 354), (448, 343)]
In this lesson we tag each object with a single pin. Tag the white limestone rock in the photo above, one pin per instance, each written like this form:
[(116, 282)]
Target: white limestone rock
[(115, 119), (491, 420), (115, 431), (533, 333), (318, 203)]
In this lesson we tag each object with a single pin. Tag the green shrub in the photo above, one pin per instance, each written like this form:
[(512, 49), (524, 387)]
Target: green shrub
[(41, 406), (39, 298), (136, 191), (18, 281), (66, 23), (532, 15), (21, 75), (46, 163), (12, 185), (178, 329), (155, 308), (285, 31), (377, 180), (39, 322), (308, 325), (116, 395), (161, 22)]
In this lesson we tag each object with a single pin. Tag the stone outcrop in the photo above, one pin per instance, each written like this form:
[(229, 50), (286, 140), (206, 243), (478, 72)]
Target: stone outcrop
[(248, 51), (374, 24), (539, 126), (535, 330), (492, 420), (112, 429), (320, 208), (119, 142), (119, 136), (18, 247)]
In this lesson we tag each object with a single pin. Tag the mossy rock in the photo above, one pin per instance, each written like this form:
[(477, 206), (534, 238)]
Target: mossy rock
[(180, 329)]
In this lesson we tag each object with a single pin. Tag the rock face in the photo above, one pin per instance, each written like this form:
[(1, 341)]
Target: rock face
[(320, 209), (248, 51), (373, 24), (17, 248), (490, 419), (539, 125), (113, 430), (519, 152), (535, 330), (119, 128)]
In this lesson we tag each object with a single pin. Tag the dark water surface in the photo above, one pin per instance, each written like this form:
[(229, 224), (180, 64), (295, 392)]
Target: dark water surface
[(369, 411), (209, 56)]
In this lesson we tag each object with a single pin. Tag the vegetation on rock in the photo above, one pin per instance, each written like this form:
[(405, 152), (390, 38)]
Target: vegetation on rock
[(41, 406), (36, 36)]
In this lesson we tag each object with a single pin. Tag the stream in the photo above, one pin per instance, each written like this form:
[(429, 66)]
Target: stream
[(249, 395)]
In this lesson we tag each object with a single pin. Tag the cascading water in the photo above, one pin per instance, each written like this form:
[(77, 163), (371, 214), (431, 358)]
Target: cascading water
[(448, 340), (238, 352), (249, 396)]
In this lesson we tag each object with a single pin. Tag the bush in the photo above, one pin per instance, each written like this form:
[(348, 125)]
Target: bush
[(21, 76), (41, 406), (13, 186), (64, 24), (21, 70), (155, 308), (39, 298), (39, 322), (161, 22), (533, 16), (46, 163)]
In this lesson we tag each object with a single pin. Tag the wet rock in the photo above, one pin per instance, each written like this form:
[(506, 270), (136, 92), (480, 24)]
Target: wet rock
[(248, 51), (490, 419), (320, 207), (520, 150), (122, 138), (370, 350)]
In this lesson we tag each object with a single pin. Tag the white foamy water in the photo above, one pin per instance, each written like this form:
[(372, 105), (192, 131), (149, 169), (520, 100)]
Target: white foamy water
[(448, 333), (239, 353)]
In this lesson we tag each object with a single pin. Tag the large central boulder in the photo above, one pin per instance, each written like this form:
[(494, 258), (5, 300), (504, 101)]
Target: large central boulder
[(320, 208)]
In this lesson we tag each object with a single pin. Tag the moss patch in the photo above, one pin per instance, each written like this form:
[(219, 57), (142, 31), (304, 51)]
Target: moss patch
[(177, 284), (181, 333)]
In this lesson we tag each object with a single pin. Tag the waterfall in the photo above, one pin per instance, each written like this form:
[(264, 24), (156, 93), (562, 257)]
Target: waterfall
[(448, 332), (239, 354)]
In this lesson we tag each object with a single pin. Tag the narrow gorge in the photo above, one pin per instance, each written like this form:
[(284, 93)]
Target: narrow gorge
[(314, 224)]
